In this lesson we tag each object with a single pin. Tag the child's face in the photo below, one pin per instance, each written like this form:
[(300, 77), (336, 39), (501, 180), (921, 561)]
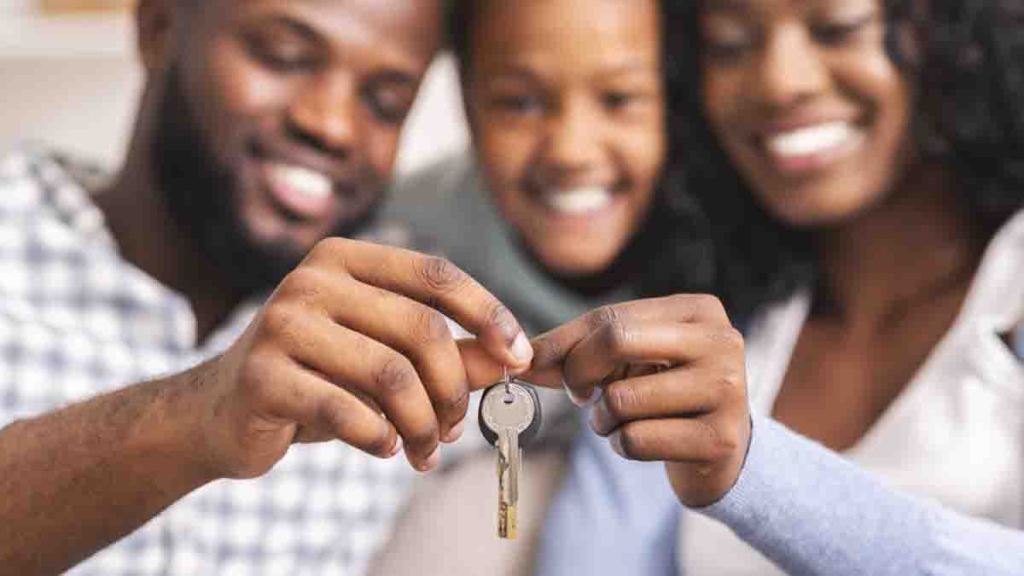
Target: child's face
[(566, 105), (807, 103)]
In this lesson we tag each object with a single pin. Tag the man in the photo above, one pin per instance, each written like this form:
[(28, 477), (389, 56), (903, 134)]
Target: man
[(264, 128)]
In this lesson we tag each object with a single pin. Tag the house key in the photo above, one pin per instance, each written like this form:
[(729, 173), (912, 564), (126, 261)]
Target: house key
[(509, 419)]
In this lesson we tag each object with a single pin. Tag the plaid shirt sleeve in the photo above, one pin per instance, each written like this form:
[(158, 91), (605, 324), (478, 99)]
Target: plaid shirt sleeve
[(76, 321)]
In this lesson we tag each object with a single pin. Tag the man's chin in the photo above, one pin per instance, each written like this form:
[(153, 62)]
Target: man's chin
[(258, 264)]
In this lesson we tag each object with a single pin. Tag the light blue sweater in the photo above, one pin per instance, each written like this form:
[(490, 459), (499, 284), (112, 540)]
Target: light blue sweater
[(812, 512)]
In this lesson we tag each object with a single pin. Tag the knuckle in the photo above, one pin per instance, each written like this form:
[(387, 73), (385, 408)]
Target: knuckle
[(382, 443), (440, 275), (333, 417), (456, 402), (731, 381), (304, 285), (708, 303), (721, 444), (604, 316), (546, 352), (618, 336), (394, 376), (731, 339), (612, 331), (622, 400), (500, 316), (425, 435), (328, 249), (694, 305), (632, 442), (278, 321), (430, 326)]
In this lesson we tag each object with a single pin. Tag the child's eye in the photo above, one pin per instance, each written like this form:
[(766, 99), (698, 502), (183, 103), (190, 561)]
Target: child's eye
[(518, 103), (615, 100)]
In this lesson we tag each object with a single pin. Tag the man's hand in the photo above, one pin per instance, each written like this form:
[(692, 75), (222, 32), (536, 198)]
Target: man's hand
[(674, 386), (353, 346)]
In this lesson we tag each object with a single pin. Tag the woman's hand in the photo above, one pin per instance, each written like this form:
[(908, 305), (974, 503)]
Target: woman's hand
[(674, 386)]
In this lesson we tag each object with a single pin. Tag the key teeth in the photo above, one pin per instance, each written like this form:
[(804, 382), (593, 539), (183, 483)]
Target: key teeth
[(506, 522)]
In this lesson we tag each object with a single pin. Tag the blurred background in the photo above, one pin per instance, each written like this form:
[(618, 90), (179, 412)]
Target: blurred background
[(54, 52)]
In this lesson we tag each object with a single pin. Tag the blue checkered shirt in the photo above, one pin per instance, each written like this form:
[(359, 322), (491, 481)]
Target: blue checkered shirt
[(77, 320)]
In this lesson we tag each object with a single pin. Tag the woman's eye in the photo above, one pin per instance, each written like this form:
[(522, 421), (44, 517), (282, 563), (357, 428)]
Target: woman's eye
[(837, 33), (727, 51)]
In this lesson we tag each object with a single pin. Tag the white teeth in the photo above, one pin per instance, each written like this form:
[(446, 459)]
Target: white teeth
[(811, 139), (579, 200), (302, 180)]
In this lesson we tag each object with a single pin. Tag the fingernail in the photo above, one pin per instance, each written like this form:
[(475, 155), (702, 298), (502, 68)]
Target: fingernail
[(521, 349), (454, 433), (432, 461), (615, 439), (579, 399), (397, 448), (595, 419)]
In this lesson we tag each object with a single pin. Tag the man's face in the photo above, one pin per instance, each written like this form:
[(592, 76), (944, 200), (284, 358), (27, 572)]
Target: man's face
[(279, 121)]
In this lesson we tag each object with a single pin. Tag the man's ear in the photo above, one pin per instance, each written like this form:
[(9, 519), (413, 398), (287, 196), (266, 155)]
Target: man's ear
[(154, 23)]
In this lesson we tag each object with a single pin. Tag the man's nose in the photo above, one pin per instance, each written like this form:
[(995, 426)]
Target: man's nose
[(326, 112)]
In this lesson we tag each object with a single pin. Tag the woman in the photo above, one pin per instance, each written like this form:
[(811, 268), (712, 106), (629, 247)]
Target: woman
[(853, 233), (861, 162)]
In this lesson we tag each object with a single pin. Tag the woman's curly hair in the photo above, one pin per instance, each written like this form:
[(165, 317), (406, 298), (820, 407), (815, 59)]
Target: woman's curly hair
[(674, 246), (967, 60)]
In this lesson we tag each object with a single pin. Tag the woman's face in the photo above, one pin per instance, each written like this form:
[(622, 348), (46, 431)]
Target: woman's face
[(804, 99), (565, 102)]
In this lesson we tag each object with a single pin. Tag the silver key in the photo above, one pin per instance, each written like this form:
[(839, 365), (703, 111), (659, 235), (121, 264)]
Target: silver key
[(510, 419)]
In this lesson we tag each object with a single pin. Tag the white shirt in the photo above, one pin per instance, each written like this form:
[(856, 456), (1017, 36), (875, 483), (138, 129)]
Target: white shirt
[(954, 434)]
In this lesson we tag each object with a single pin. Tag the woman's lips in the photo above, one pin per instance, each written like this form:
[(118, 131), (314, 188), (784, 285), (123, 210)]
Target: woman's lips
[(301, 191), (811, 147)]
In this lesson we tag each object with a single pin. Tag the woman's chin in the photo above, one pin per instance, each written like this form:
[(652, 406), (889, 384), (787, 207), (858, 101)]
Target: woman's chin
[(576, 265)]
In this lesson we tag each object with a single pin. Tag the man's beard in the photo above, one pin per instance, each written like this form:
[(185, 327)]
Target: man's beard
[(202, 198)]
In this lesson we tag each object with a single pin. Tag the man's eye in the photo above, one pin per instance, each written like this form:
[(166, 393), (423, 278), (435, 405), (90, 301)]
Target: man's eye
[(284, 59)]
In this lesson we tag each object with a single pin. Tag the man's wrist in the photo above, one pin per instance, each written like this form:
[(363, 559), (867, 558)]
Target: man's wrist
[(173, 427)]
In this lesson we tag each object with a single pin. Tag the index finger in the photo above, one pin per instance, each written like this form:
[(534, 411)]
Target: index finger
[(435, 282), (482, 370), (553, 347)]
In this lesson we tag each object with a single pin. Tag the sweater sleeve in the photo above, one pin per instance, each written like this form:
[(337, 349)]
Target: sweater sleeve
[(812, 512)]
